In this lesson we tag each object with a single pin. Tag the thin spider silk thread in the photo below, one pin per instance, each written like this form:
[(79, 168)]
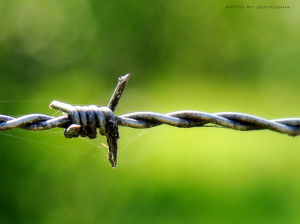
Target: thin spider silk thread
[(132, 140), (49, 144)]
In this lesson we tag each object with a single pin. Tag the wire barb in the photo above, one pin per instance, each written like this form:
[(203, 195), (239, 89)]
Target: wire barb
[(84, 121), (114, 100)]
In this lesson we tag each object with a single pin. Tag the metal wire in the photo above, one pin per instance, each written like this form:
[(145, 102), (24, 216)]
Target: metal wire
[(182, 119), (84, 121)]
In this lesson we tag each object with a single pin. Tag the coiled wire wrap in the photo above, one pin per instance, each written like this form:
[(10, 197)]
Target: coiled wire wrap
[(85, 121)]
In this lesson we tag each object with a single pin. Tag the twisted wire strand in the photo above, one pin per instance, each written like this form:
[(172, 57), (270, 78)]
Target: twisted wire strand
[(182, 119), (230, 120)]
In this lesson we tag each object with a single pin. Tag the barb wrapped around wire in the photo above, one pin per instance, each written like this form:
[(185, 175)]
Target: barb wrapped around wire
[(84, 121)]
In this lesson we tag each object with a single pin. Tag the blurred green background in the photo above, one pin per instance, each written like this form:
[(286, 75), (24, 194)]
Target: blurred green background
[(194, 55)]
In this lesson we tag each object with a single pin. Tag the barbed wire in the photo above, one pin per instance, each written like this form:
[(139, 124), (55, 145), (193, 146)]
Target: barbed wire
[(181, 119), (84, 121)]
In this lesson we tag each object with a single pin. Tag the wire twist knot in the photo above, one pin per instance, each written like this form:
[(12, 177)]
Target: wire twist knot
[(85, 121)]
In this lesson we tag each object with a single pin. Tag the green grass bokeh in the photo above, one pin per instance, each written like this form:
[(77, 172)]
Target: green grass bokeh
[(183, 55)]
